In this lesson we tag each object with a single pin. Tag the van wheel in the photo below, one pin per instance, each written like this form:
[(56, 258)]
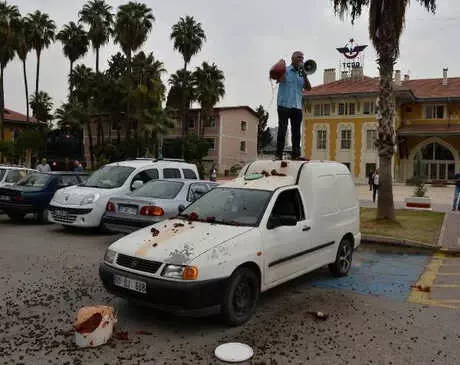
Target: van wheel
[(15, 216), (241, 297), (342, 263)]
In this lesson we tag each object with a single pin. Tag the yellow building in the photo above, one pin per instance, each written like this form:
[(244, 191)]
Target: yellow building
[(340, 124)]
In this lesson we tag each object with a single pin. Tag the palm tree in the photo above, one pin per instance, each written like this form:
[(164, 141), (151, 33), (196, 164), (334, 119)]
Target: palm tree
[(23, 47), (42, 105), (9, 19), (98, 16), (42, 30), (188, 37), (386, 23), (209, 88), (132, 26), (75, 42)]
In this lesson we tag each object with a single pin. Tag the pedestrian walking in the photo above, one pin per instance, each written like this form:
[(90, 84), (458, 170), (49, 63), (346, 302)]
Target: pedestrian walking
[(44, 166), (375, 184), (370, 179), (456, 202), (77, 167), (213, 174)]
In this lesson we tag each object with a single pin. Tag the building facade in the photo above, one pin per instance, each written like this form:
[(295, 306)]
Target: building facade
[(231, 134), (340, 124)]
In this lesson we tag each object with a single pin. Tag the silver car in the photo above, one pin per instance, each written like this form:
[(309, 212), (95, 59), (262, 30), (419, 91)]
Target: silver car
[(151, 203)]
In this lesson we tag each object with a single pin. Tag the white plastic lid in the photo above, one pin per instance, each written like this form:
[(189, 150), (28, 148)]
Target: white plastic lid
[(234, 352)]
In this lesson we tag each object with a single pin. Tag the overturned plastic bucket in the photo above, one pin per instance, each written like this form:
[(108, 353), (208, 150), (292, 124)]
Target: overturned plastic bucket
[(94, 325)]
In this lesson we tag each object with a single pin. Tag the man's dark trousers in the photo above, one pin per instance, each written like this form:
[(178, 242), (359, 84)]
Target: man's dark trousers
[(284, 115)]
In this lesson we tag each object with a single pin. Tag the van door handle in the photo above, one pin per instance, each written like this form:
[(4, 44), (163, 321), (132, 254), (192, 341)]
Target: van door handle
[(306, 228)]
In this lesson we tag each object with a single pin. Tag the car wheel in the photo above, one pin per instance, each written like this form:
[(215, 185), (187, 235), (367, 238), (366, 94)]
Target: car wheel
[(343, 260), (15, 216), (241, 297), (42, 216)]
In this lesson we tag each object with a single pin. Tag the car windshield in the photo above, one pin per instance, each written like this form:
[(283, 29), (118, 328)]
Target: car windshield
[(159, 189), (35, 180), (109, 177), (239, 207), (2, 173)]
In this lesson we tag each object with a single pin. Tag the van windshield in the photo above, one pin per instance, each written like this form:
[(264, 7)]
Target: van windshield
[(239, 207), (109, 177)]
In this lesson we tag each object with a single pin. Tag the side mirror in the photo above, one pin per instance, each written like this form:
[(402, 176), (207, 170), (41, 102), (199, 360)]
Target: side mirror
[(136, 184), (181, 208)]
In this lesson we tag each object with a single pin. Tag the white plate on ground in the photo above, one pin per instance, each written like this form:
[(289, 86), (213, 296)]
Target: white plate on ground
[(233, 352)]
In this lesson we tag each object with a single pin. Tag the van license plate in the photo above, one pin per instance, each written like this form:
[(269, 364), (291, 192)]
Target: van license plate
[(131, 284), (127, 210), (60, 213), (4, 197)]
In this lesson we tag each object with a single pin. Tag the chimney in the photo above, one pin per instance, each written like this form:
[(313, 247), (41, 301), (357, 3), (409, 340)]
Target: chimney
[(357, 73), (397, 79), (406, 77), (329, 75), (444, 76), (344, 75)]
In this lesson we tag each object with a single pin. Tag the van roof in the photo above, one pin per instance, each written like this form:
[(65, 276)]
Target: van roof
[(260, 174)]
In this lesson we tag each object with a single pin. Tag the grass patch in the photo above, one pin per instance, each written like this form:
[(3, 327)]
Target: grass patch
[(421, 226)]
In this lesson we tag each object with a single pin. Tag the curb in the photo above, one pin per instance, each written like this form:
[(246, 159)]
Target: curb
[(397, 242), (443, 230)]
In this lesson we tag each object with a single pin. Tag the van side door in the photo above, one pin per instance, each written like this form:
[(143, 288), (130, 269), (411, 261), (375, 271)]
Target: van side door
[(286, 237)]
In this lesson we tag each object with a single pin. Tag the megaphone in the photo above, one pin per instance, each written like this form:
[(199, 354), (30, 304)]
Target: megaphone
[(310, 67)]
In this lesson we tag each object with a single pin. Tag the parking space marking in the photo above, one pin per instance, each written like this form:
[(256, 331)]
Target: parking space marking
[(428, 278)]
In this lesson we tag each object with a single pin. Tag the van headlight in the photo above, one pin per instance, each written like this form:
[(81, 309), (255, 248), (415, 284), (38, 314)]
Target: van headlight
[(89, 199), (109, 256), (180, 272)]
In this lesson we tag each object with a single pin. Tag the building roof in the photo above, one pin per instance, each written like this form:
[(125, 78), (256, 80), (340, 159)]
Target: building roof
[(15, 117), (429, 129), (419, 88), (237, 107)]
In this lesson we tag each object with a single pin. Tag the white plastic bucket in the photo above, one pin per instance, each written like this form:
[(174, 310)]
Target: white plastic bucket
[(102, 333)]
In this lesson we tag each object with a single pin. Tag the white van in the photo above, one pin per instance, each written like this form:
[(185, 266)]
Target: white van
[(277, 221), (84, 205)]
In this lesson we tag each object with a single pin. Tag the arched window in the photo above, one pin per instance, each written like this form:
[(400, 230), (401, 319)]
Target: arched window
[(434, 162)]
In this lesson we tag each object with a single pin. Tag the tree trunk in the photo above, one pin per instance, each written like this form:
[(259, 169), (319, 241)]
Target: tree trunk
[(2, 106), (97, 60), (128, 104), (91, 147), (385, 132), (37, 73), (26, 87), (70, 78)]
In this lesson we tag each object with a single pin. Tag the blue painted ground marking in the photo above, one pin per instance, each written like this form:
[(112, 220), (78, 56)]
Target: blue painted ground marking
[(382, 274)]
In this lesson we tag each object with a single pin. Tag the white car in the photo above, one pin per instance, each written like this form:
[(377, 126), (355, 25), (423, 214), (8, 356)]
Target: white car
[(84, 205), (10, 175), (277, 221)]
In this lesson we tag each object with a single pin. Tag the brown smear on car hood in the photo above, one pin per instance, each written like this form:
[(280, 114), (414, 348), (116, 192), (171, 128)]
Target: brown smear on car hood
[(164, 234)]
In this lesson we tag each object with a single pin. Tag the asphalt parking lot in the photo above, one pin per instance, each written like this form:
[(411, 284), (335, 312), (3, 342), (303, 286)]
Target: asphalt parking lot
[(48, 273)]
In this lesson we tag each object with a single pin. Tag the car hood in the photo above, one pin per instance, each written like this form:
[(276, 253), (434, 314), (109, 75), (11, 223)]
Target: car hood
[(177, 241), (73, 195)]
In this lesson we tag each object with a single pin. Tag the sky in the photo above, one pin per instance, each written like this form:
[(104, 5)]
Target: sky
[(245, 38)]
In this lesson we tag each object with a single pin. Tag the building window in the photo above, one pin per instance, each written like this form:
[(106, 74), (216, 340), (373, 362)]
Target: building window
[(345, 139), (322, 109), (211, 123), (244, 125), (243, 146), (191, 123), (434, 111), (321, 140), (341, 109), (211, 143), (351, 109), (368, 107), (371, 138), (317, 110)]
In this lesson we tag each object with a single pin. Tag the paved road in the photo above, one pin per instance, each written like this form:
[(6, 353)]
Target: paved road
[(48, 273)]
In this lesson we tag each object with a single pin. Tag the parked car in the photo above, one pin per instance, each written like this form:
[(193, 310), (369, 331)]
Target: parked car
[(33, 193), (240, 239), (84, 205), (155, 201), (10, 175)]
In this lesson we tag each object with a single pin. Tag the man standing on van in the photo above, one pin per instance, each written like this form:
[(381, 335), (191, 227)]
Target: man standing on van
[(376, 183), (290, 95)]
